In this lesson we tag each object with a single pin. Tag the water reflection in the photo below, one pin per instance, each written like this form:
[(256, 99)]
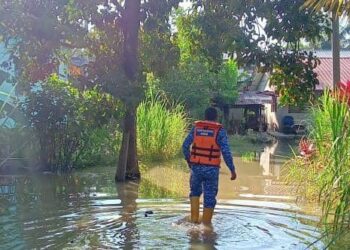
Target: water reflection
[(203, 238), (88, 210), (265, 161), (128, 194), (273, 157)]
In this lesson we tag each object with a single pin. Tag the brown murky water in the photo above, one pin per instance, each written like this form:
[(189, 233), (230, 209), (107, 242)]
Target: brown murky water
[(87, 210)]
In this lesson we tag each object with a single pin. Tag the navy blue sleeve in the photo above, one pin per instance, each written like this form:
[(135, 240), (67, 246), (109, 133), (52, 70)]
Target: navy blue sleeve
[(187, 145), (222, 140)]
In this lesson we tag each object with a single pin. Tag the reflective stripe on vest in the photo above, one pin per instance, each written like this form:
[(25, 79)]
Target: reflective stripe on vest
[(205, 150)]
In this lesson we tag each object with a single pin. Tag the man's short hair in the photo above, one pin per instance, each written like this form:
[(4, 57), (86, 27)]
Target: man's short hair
[(211, 114)]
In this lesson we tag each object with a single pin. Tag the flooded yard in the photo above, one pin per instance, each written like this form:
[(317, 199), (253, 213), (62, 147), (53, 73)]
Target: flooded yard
[(86, 209)]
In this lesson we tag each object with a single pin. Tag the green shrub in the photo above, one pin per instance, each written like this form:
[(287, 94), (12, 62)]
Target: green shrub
[(248, 156), (161, 127), (72, 127)]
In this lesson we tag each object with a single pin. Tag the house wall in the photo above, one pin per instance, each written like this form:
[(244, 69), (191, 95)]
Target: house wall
[(274, 119), (299, 118)]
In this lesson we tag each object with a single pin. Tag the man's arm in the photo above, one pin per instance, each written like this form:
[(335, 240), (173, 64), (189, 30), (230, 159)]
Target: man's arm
[(226, 152), (187, 145)]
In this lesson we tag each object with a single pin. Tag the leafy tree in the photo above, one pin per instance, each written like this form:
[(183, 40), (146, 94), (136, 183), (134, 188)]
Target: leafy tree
[(227, 82), (225, 26), (65, 120), (287, 24), (338, 6), (291, 68), (188, 38), (190, 84), (325, 42), (105, 31), (260, 33), (295, 77)]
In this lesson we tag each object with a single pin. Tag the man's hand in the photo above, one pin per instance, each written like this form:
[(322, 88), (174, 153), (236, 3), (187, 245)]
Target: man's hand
[(233, 176)]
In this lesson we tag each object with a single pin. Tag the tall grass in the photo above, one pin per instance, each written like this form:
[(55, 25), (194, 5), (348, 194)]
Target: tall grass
[(331, 134), (328, 171), (161, 127)]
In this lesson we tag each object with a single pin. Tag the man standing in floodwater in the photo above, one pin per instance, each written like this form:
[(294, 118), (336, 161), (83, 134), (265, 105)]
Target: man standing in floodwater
[(202, 149)]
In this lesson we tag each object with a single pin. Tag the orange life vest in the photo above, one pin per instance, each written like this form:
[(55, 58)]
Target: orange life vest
[(205, 150)]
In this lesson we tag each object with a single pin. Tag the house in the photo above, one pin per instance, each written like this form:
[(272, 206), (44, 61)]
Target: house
[(248, 112), (324, 74), (325, 70)]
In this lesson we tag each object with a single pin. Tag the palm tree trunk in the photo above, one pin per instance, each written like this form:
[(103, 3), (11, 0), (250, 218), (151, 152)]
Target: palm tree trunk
[(335, 49)]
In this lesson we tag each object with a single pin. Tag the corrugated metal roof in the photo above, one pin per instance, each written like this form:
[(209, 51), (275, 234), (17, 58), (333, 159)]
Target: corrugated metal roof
[(328, 53), (325, 72)]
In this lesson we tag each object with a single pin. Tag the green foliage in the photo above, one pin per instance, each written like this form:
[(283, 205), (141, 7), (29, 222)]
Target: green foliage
[(338, 6), (100, 146), (227, 83), (161, 127), (292, 69), (190, 85), (40, 40), (196, 86), (67, 123), (294, 78), (224, 26), (187, 37), (327, 173), (288, 22), (248, 156), (335, 192), (18, 143), (236, 28)]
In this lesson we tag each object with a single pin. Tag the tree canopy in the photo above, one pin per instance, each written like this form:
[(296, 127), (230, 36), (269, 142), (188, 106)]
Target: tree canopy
[(267, 34), (337, 6), (122, 40)]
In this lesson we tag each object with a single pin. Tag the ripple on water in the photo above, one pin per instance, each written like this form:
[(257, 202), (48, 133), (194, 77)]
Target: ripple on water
[(108, 223)]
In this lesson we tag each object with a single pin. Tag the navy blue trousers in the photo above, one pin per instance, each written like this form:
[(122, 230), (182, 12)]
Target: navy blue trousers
[(205, 179)]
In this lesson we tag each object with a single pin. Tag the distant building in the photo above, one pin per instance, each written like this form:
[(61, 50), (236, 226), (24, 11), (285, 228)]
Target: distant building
[(324, 75), (325, 69)]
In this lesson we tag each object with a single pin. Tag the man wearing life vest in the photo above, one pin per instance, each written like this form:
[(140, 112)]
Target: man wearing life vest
[(202, 148)]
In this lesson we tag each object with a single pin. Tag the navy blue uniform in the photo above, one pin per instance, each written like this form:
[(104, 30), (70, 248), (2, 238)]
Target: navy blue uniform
[(204, 176)]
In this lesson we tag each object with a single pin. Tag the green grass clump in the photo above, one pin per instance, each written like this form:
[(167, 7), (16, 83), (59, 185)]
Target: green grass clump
[(327, 173), (161, 128), (248, 157)]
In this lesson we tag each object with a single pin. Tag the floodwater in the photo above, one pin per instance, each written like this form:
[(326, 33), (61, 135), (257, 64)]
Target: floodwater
[(87, 210)]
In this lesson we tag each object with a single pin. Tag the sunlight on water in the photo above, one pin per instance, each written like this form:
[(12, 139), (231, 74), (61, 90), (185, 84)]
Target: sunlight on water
[(87, 210)]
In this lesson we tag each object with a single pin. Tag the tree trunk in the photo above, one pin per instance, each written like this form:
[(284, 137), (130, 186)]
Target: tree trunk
[(128, 164), (123, 155), (335, 49), (132, 167)]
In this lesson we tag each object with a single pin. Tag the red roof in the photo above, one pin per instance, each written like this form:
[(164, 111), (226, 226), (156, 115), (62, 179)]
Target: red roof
[(325, 72)]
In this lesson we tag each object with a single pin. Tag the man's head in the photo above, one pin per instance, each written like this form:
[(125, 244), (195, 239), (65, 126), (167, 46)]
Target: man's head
[(211, 114)]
